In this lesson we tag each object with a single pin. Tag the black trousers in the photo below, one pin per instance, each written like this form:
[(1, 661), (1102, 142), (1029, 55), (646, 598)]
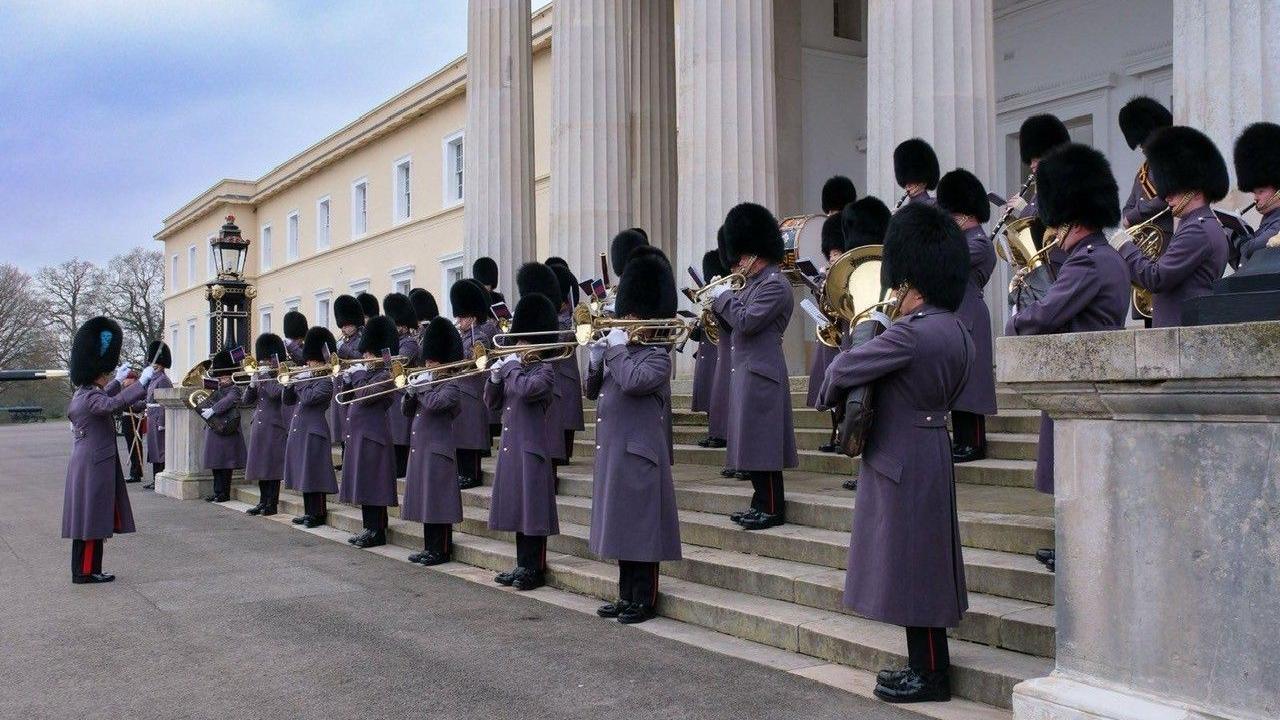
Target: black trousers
[(156, 469), (402, 460), (374, 517), (927, 649), (638, 582), (269, 492), (86, 557), (568, 445), (531, 551), (313, 504), (437, 537), (769, 496), (222, 483), (468, 462), (134, 444), (969, 428)]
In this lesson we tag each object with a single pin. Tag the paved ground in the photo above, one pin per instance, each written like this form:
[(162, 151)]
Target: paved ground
[(218, 615)]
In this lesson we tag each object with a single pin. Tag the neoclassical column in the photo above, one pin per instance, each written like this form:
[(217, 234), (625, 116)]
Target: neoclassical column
[(498, 158), (653, 126), (930, 74), (1225, 58)]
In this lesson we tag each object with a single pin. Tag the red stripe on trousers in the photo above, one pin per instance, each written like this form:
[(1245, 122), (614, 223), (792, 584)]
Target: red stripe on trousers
[(933, 662), (86, 562)]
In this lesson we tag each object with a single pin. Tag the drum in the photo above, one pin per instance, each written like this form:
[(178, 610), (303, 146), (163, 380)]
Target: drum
[(802, 238)]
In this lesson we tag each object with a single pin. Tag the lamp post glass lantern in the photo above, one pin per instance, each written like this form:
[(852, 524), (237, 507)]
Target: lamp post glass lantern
[(230, 248), (229, 296)]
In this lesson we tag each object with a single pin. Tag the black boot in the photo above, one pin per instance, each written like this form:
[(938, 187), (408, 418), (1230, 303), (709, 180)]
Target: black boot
[(850, 484), (613, 609), (466, 483), (506, 578), (967, 453), (313, 521), (433, 557), (301, 519), (360, 537), (371, 539), (255, 510), (727, 473), (1047, 557), (760, 520), (714, 443), (527, 579), (914, 686), (636, 613)]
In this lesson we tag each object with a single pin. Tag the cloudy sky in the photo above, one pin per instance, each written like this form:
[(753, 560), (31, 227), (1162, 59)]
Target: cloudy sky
[(113, 113)]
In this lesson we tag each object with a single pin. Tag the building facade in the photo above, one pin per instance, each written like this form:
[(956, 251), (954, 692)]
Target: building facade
[(550, 137)]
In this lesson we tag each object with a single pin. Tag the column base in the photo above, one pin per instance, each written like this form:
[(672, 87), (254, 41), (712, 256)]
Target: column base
[(1057, 698), (190, 485)]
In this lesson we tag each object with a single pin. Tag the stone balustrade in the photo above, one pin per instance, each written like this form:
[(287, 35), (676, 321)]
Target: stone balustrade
[(185, 476)]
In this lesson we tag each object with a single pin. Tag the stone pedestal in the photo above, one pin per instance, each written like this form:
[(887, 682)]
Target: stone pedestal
[(1168, 520), (185, 476)]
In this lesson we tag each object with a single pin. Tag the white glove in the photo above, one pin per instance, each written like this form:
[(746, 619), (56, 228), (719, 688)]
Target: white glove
[(421, 379), (596, 354), (147, 373), (253, 380), (1016, 205), (1119, 238), (121, 373), (718, 290), (353, 369), (616, 337), (206, 413)]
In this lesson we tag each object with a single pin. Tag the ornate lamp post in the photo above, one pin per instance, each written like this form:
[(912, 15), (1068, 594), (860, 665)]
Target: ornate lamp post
[(229, 295)]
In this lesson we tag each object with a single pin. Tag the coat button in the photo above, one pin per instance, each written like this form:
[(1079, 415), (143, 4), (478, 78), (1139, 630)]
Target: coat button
[(597, 447), (928, 418)]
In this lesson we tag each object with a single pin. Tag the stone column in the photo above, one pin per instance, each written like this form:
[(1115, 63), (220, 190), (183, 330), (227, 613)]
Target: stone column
[(930, 74), (1168, 490), (653, 120), (498, 156), (185, 476), (1224, 61)]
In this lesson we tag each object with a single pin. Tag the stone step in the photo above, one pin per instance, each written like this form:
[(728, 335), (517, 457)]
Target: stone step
[(980, 672)]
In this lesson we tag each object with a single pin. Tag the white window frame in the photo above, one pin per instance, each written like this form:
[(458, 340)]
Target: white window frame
[(323, 296), (173, 273), (402, 275), (324, 223), (402, 197), (359, 207), (450, 169), (191, 266), (293, 236), (264, 319), (292, 303), (449, 262), (211, 259), (264, 247), (191, 342), (358, 285)]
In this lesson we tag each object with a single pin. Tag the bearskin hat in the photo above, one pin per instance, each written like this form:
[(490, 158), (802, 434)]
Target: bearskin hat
[(534, 277), (441, 342), (915, 162), (641, 231), (222, 363), (1074, 185), (649, 251), (469, 299), (269, 345), (647, 289), (1182, 159), (368, 305), (158, 354), (95, 349), (961, 192), (621, 245), (556, 260), (1257, 156), (832, 235), (295, 325), (925, 249), (424, 304), (722, 249), (712, 266), (318, 338), (568, 283), (864, 222), (1140, 117), (535, 313), (750, 229), (400, 310), (485, 269), (347, 311), (1039, 134), (380, 335), (837, 192)]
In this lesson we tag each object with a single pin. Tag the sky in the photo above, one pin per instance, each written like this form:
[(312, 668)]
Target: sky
[(114, 113)]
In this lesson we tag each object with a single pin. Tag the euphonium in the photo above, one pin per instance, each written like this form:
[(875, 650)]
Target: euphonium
[(1150, 240)]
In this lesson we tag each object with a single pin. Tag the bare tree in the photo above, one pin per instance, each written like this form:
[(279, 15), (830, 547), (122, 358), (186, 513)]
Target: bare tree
[(133, 294), (24, 342), (72, 293)]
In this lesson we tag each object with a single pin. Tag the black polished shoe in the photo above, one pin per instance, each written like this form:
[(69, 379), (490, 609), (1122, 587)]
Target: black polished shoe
[(149, 486), (889, 675), (255, 510), (466, 483), (713, 443), (268, 510), (1045, 555), (527, 579), (92, 579), (416, 558), (432, 557), (359, 536), (915, 686), (506, 578), (373, 538), (313, 521), (828, 448), (134, 480), (967, 453), (761, 521), (211, 498), (727, 473), (636, 613), (613, 609), (741, 475), (736, 517), (300, 519), (850, 484)]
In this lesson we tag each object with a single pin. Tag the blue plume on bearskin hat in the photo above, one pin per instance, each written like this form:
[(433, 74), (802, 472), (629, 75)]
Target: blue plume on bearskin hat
[(95, 349)]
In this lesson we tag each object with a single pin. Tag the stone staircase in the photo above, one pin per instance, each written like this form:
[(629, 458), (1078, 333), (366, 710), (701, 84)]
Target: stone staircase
[(782, 587)]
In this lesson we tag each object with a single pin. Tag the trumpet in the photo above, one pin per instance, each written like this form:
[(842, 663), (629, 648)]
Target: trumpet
[(735, 281), (658, 331), (295, 374), (484, 357)]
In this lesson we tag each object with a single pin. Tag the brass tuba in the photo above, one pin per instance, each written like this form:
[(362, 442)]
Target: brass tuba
[(852, 291), (1033, 274)]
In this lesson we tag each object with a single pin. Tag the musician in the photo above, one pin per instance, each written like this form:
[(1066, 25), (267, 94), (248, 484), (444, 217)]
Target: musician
[(295, 335), (633, 499), (863, 222), (535, 277), (622, 244), (568, 375), (704, 369), (369, 471), (837, 192), (1189, 173), (720, 387), (400, 309), (95, 501), (161, 360), (472, 436), (905, 562), (223, 453), (308, 458), (961, 194), (1036, 137), (425, 308), (368, 305), (431, 493), (349, 317), (1257, 161), (524, 493), (485, 270), (269, 431), (1139, 119), (761, 439), (832, 249), (915, 167), (1077, 194)]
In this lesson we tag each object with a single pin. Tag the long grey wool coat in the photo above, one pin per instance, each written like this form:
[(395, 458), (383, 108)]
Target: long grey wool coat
[(431, 493), (524, 485), (369, 465), (348, 349), (471, 427), (267, 434), (411, 350), (155, 417), (308, 454), (95, 503), (224, 452), (979, 394)]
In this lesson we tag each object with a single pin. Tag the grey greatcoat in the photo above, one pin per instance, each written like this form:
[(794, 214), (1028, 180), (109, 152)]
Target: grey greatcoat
[(704, 376), (224, 452), (369, 464), (1091, 293), (1267, 229), (268, 433), (633, 496), (1192, 261), (471, 427), (524, 484), (568, 388), (431, 493), (308, 454), (348, 349), (155, 417), (410, 349), (905, 563), (95, 503), (760, 434), (979, 394), (293, 349), (718, 412)]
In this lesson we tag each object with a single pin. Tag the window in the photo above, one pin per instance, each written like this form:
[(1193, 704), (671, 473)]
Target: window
[(359, 207), (292, 303), (322, 307), (291, 237), (452, 182), (265, 247), (402, 207), (849, 19), (191, 265), (402, 279), (359, 286), (212, 260), (191, 342), (264, 320), (322, 224), (173, 274), (173, 344), (450, 273)]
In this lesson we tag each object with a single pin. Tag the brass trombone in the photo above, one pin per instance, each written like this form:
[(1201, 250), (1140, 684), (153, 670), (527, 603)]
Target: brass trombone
[(397, 380), (447, 371), (484, 357), (656, 331), (297, 374)]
